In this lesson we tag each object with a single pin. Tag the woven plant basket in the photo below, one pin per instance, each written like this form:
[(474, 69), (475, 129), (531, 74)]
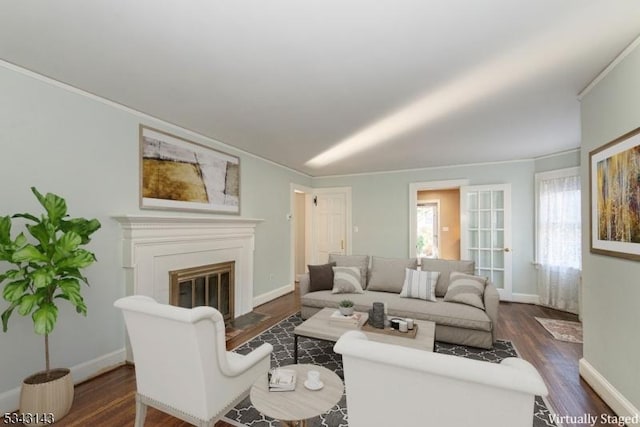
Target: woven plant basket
[(41, 396)]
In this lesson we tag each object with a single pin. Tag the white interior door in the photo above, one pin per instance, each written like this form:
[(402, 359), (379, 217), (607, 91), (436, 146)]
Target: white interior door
[(331, 212), (485, 235)]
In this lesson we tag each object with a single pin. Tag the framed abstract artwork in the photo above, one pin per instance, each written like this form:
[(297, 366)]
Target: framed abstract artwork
[(614, 179), (178, 174)]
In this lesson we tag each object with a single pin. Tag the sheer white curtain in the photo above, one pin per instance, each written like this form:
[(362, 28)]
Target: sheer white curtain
[(559, 239)]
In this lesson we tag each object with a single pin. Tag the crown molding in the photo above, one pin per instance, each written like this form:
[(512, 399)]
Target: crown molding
[(141, 115), (613, 64)]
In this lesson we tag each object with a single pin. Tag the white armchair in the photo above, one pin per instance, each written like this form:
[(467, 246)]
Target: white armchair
[(182, 365), (392, 385)]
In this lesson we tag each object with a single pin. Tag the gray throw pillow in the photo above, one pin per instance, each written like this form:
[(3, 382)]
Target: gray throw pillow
[(321, 277), (466, 289), (360, 261), (346, 280), (387, 274)]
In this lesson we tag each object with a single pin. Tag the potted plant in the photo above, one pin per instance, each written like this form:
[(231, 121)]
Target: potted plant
[(46, 269), (346, 307)]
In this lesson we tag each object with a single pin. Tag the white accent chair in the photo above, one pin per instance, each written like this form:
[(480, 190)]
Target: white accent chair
[(392, 385), (182, 365)]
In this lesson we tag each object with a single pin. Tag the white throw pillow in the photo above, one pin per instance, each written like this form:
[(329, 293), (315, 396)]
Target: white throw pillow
[(420, 284), (346, 280)]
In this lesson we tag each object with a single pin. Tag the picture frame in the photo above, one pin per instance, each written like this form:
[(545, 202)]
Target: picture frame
[(178, 174), (614, 182)]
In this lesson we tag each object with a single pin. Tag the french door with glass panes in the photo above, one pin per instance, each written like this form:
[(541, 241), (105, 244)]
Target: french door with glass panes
[(485, 235)]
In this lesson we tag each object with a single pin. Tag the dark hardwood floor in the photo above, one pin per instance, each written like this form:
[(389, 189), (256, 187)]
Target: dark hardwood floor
[(557, 361), (109, 399)]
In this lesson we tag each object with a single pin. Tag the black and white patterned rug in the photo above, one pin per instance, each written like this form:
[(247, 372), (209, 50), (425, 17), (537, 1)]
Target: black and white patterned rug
[(321, 353)]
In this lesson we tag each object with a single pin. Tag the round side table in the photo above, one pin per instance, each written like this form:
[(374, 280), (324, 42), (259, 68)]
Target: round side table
[(295, 407)]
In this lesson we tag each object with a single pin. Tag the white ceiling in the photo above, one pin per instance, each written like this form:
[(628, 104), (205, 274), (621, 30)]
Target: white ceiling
[(384, 84)]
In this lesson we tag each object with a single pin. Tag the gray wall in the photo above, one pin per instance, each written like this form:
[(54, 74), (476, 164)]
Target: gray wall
[(559, 161), (381, 209), (87, 151), (611, 286)]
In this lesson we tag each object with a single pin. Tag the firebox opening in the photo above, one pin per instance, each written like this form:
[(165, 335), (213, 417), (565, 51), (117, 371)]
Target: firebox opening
[(207, 285)]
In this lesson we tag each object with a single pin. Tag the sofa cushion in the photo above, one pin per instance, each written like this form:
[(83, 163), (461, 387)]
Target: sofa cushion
[(445, 267), (346, 280), (321, 277), (419, 284), (440, 312), (387, 274), (466, 289), (360, 261)]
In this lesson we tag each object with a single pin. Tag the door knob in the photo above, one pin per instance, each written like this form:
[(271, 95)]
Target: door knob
[(507, 250)]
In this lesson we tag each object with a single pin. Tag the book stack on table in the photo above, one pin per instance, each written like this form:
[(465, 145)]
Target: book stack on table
[(356, 319), (282, 379)]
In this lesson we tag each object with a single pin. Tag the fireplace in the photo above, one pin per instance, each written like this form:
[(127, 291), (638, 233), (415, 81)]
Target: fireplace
[(154, 246), (209, 285)]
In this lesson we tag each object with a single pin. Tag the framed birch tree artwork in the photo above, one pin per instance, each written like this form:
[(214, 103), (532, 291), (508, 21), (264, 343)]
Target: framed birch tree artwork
[(179, 174), (615, 197)]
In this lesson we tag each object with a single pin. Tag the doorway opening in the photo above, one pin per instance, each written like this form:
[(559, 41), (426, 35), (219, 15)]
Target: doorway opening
[(428, 217), (435, 219), (484, 220), (320, 223), (299, 220), (441, 210)]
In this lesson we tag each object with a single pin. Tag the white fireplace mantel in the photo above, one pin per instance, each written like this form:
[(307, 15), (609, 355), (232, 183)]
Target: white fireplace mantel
[(152, 246)]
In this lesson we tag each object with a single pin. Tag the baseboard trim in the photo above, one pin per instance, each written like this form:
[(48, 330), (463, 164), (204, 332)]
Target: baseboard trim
[(612, 397), (271, 295), (10, 400), (97, 366), (525, 298)]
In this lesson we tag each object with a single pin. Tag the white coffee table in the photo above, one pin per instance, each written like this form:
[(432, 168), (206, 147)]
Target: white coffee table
[(319, 327), (295, 407)]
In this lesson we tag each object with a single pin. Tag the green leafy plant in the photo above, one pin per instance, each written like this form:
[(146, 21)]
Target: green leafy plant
[(47, 268), (345, 303)]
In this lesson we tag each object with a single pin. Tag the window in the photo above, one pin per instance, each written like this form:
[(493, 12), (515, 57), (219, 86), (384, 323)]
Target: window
[(559, 218), (558, 238)]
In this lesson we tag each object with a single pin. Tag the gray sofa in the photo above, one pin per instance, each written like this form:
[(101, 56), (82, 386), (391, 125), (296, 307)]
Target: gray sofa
[(455, 323)]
